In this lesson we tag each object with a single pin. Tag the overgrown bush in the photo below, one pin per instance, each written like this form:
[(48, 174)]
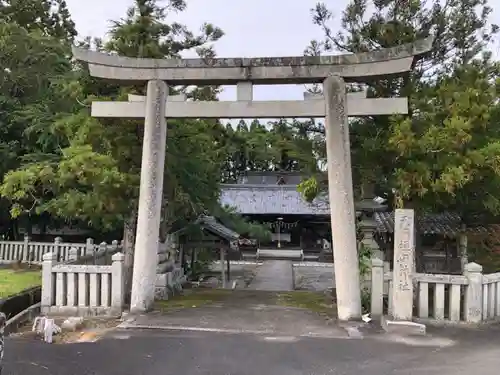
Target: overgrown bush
[(201, 266)]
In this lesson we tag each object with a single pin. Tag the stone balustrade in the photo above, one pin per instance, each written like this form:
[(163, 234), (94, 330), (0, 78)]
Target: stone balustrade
[(82, 289), (27, 251), (469, 298)]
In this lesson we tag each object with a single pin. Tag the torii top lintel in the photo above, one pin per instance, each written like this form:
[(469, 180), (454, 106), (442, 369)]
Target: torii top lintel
[(359, 67)]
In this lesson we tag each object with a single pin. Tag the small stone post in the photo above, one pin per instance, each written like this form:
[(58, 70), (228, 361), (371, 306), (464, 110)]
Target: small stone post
[(404, 258), (377, 288), (49, 260), (223, 267), (115, 247), (73, 254), (118, 283), (89, 246), (102, 252), (57, 248), (340, 189), (25, 256), (474, 293), (150, 197)]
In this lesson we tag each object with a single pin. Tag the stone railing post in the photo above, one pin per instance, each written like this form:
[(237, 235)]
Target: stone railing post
[(57, 248), (118, 283), (474, 293), (73, 254), (377, 287), (115, 247), (89, 246), (25, 256), (102, 251), (47, 301)]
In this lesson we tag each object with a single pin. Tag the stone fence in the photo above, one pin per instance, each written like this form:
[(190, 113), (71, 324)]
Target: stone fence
[(82, 289), (469, 298), (90, 282), (27, 251)]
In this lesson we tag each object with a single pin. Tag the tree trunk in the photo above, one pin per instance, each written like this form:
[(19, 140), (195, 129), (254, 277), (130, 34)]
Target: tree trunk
[(129, 229)]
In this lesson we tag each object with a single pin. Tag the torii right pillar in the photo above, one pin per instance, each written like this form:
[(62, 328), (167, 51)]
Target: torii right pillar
[(341, 197)]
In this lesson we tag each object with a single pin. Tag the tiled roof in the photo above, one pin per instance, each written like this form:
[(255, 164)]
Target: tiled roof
[(286, 200), (445, 223), (270, 199), (211, 224)]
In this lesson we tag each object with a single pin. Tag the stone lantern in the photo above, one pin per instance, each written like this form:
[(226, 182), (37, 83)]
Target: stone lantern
[(366, 209)]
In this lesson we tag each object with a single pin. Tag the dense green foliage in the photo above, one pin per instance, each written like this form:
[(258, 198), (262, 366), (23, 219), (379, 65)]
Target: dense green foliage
[(57, 161), (445, 154)]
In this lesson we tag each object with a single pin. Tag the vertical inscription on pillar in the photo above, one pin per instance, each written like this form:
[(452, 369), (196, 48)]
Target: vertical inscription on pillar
[(404, 250)]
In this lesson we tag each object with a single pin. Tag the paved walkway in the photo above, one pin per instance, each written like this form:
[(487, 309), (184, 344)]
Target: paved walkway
[(274, 275)]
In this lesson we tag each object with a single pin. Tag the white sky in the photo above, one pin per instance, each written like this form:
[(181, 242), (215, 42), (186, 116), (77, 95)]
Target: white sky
[(252, 29)]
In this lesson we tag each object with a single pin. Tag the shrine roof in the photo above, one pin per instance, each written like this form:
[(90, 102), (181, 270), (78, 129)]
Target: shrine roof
[(261, 199), (270, 200)]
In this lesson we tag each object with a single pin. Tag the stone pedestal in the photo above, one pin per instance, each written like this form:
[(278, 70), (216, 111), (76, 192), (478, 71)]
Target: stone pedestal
[(150, 198)]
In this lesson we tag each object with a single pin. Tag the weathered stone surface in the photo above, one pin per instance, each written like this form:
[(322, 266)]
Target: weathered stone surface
[(163, 257), (165, 267), (404, 261), (264, 70), (150, 198), (254, 109), (401, 327), (340, 191), (72, 323)]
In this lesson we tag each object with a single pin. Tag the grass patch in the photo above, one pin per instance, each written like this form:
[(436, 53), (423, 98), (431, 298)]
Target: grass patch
[(316, 302), (15, 281), (194, 298)]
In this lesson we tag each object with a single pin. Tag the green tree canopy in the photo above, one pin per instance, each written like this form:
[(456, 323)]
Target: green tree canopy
[(430, 159)]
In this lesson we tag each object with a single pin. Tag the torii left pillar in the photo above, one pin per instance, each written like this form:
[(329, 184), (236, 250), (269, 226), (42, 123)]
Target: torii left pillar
[(150, 198), (340, 191)]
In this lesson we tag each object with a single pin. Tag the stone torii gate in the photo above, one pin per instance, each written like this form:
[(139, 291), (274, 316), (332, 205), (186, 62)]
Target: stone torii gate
[(335, 105)]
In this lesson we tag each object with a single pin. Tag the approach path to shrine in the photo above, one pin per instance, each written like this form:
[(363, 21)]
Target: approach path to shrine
[(274, 275)]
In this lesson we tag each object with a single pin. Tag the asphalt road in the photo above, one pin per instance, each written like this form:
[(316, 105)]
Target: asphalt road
[(136, 352)]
